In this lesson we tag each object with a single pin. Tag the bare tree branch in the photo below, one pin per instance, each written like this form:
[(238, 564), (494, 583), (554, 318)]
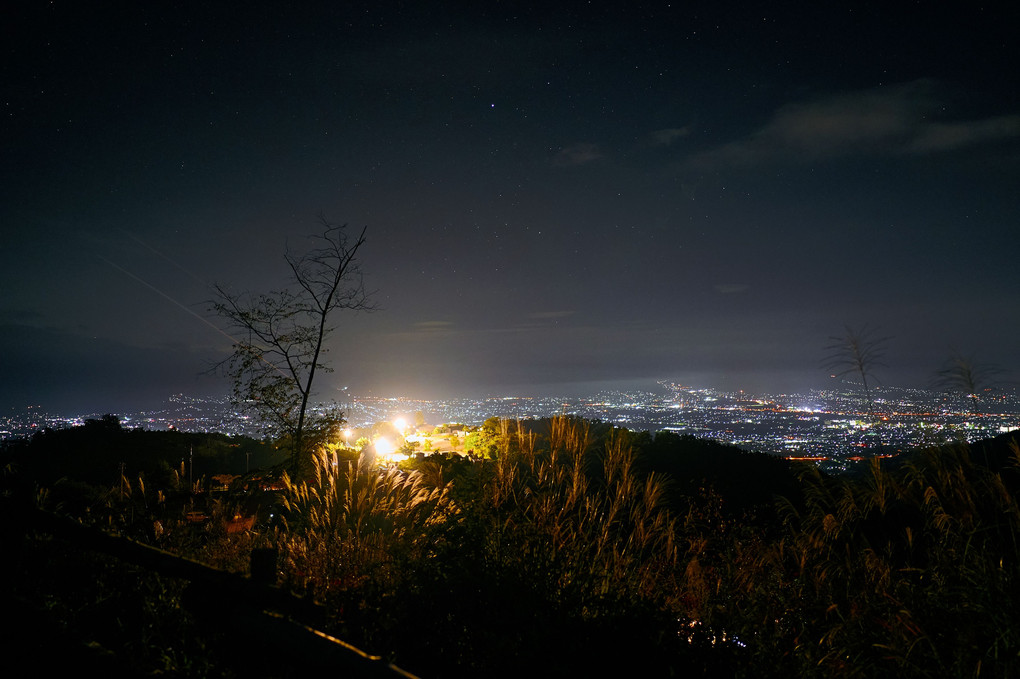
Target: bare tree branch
[(964, 375), (857, 353), (273, 367)]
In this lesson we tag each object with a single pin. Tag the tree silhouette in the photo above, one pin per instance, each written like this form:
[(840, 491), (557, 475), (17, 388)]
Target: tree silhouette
[(857, 353), (282, 337), (962, 374)]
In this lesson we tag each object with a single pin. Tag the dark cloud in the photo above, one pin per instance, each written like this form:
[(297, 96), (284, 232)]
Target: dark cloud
[(667, 136), (552, 314), (934, 137), (581, 153), (892, 119)]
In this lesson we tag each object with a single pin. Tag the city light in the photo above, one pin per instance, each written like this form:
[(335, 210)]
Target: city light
[(833, 423), (386, 452)]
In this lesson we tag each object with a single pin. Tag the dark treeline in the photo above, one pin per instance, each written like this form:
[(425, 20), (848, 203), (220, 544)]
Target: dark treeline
[(572, 546), (101, 450)]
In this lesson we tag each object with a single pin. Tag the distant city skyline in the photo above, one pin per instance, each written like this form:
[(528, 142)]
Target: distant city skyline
[(72, 403), (833, 427)]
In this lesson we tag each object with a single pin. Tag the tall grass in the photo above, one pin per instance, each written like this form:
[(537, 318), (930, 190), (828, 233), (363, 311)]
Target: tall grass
[(562, 546), (911, 572), (353, 518), (580, 513)]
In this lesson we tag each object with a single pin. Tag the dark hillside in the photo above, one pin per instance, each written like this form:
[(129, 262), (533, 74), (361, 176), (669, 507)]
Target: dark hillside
[(996, 454), (744, 481), (93, 454)]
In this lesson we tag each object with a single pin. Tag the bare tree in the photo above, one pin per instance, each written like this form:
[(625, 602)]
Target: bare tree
[(962, 374), (282, 336), (857, 353)]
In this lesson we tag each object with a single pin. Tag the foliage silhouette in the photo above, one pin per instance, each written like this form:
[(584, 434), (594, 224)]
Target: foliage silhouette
[(282, 340), (964, 375)]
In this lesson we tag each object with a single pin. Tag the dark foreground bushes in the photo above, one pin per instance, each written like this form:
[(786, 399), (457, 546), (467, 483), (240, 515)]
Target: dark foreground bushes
[(573, 552)]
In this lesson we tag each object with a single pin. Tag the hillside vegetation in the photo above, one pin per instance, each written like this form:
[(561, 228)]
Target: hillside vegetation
[(577, 548)]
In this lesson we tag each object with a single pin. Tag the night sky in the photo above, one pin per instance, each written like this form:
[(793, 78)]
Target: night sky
[(557, 200)]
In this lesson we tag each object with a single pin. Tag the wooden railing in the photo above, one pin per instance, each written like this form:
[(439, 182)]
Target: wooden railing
[(256, 617)]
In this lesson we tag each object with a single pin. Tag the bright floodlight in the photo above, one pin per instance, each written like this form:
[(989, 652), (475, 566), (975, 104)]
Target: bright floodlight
[(383, 447), (400, 423)]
